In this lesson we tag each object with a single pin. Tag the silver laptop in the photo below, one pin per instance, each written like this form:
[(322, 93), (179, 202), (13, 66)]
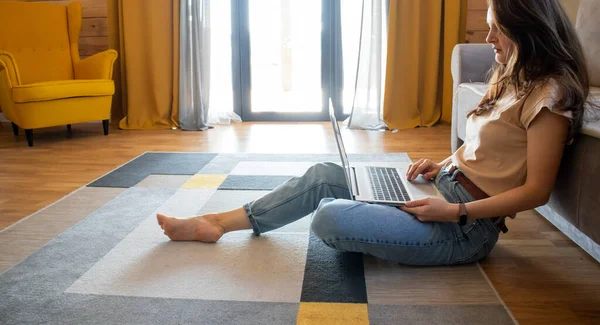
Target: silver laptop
[(379, 184)]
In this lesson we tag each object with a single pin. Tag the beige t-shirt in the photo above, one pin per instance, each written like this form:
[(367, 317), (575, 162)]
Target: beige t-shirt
[(494, 154)]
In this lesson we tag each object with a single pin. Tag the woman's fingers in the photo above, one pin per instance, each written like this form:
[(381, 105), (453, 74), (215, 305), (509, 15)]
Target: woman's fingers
[(431, 173), (426, 167), (417, 212), (422, 168), (417, 203), (412, 168)]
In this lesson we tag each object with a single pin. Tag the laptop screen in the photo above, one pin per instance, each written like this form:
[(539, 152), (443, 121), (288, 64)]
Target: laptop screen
[(341, 149)]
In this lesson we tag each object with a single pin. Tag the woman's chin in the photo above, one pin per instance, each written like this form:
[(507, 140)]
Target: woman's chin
[(500, 58)]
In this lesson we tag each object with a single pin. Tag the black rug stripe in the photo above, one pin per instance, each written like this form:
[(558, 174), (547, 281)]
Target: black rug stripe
[(160, 163), (333, 276)]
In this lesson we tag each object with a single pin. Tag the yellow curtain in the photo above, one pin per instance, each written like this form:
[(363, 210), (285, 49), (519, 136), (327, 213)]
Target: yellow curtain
[(146, 35), (418, 85)]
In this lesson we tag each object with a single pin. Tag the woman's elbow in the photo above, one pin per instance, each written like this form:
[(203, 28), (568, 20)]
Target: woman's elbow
[(539, 196), (543, 199)]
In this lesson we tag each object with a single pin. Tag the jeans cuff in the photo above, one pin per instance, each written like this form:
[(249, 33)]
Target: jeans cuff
[(252, 220)]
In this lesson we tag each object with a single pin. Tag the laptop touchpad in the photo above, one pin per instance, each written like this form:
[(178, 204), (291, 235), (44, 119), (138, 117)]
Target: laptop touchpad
[(422, 188)]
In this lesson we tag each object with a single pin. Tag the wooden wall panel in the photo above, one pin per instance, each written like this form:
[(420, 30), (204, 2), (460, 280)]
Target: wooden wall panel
[(477, 5), (476, 36), (94, 25), (477, 27)]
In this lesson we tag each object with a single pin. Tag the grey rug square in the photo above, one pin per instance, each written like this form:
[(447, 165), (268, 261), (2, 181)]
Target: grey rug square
[(154, 163)]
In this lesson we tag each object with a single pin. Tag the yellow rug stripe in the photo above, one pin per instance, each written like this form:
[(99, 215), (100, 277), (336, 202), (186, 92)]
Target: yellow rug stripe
[(205, 181), (332, 314)]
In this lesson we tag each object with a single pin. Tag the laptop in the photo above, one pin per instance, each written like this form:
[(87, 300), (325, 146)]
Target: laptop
[(380, 184)]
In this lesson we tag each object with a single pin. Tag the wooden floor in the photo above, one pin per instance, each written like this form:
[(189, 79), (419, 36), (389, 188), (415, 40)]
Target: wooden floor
[(541, 275)]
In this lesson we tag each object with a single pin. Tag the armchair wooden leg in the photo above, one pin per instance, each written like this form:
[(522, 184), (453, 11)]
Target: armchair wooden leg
[(29, 134), (15, 129), (105, 126), (69, 131)]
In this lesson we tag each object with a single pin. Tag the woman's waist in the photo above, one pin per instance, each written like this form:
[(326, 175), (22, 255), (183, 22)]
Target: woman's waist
[(466, 183), (490, 178)]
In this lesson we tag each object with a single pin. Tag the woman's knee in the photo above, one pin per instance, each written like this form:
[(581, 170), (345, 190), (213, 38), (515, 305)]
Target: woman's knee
[(325, 171), (326, 219)]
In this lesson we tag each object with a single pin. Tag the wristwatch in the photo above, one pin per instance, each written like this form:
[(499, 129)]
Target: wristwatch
[(462, 212)]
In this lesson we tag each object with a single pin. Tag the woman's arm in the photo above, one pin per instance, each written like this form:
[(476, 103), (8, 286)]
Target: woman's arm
[(546, 137), (446, 161)]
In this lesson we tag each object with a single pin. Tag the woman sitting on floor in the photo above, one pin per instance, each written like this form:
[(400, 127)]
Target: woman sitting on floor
[(511, 155)]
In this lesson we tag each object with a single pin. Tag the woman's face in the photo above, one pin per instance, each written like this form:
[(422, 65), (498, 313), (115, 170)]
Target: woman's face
[(502, 45)]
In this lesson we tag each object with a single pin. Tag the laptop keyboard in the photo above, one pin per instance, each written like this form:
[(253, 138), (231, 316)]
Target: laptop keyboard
[(386, 184)]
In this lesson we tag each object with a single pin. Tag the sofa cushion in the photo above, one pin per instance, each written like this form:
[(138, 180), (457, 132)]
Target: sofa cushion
[(587, 27), (468, 96), (43, 91), (592, 127)]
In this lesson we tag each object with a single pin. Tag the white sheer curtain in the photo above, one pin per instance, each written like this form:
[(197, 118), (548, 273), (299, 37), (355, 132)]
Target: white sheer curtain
[(194, 64), (205, 46), (367, 104)]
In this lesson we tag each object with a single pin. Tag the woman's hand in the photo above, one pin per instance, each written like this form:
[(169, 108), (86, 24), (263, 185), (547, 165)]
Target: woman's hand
[(432, 209), (426, 167)]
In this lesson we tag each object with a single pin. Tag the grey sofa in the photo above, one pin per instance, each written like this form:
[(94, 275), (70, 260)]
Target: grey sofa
[(574, 206)]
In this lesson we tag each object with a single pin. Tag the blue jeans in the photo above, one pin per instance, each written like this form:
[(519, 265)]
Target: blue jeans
[(382, 231)]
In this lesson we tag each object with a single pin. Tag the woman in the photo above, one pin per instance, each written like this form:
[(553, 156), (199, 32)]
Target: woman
[(508, 163)]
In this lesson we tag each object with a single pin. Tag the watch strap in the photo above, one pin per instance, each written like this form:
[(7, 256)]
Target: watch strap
[(462, 213)]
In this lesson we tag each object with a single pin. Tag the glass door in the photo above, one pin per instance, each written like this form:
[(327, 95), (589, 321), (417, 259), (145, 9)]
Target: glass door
[(287, 57)]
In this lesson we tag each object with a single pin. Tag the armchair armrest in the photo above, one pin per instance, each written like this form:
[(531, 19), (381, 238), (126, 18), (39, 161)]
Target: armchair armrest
[(97, 66), (8, 63), (471, 62)]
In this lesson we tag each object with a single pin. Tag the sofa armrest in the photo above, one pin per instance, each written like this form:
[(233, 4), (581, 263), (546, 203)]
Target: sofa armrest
[(8, 63), (97, 66), (471, 62)]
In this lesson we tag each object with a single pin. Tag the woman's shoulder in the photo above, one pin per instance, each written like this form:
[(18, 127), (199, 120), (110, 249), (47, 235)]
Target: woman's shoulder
[(548, 87), (545, 93)]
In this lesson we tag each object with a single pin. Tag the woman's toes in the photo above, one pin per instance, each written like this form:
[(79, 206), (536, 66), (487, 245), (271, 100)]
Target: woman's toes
[(161, 218)]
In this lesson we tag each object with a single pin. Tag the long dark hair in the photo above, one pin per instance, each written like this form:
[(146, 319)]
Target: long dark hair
[(546, 47)]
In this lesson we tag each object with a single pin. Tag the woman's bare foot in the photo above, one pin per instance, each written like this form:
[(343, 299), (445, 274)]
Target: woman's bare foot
[(203, 228), (207, 228)]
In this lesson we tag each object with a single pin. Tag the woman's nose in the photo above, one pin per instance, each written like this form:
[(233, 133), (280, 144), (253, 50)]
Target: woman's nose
[(491, 37)]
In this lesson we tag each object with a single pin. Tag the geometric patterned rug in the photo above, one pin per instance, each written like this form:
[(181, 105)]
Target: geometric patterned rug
[(98, 256)]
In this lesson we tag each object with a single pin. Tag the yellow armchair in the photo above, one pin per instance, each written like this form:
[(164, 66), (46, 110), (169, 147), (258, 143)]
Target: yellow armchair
[(51, 85)]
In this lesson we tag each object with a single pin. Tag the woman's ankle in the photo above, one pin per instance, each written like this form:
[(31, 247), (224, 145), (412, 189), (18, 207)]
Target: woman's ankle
[(233, 220)]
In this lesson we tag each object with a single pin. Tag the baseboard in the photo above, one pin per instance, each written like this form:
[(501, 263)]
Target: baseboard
[(571, 231)]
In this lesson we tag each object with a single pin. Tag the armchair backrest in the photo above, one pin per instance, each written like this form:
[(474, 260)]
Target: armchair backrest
[(42, 38), (588, 27)]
